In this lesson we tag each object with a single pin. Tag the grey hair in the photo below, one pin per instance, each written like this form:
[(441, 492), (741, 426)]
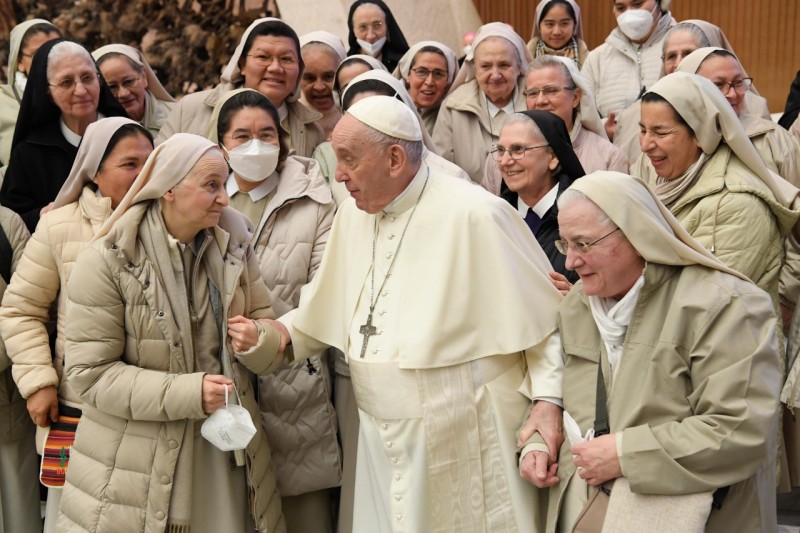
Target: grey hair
[(522, 118), (699, 37), (413, 149), (571, 196), (509, 43), (66, 49), (322, 46), (111, 55), (548, 61)]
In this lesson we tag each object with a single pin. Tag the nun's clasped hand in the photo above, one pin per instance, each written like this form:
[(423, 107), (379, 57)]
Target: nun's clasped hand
[(243, 333)]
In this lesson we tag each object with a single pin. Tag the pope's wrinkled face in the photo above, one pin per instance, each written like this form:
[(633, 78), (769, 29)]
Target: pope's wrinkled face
[(611, 266), (272, 67), (363, 169)]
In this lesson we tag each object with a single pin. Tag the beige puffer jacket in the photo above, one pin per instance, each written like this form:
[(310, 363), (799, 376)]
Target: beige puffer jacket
[(295, 402), (192, 114), (13, 411), (777, 147), (43, 271), (617, 70), (735, 217), (463, 133), (127, 360)]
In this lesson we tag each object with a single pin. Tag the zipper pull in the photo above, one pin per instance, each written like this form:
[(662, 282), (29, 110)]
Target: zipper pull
[(310, 366)]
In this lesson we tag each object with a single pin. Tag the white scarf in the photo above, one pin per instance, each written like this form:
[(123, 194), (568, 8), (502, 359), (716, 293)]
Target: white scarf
[(612, 318)]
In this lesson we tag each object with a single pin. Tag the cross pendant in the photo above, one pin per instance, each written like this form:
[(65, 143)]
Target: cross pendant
[(367, 330)]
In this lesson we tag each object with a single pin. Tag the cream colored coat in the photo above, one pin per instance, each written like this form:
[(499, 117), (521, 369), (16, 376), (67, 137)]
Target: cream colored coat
[(594, 153), (739, 223), (296, 405), (695, 395), (127, 360), (463, 133), (43, 272), (777, 147), (9, 109), (13, 411), (617, 70), (192, 114)]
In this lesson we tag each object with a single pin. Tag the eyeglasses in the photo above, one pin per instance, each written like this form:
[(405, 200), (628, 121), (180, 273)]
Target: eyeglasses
[(422, 73), (263, 60), (548, 92), (563, 245), (516, 151), (265, 136), (376, 27), (69, 84), (127, 84), (740, 86)]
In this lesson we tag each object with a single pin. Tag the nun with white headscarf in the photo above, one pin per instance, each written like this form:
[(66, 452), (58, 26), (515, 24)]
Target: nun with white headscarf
[(687, 426), (322, 53), (265, 39), (428, 70), (555, 84), (488, 89), (558, 31), (134, 84), (166, 323)]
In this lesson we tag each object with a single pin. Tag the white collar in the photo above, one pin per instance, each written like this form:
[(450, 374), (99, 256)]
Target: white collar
[(73, 138), (509, 107), (542, 206), (406, 199), (261, 190)]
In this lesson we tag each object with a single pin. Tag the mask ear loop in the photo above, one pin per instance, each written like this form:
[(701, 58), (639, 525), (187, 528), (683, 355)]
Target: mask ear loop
[(235, 390)]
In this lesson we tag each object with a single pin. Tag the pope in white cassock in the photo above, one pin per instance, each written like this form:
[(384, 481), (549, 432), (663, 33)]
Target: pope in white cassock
[(438, 294)]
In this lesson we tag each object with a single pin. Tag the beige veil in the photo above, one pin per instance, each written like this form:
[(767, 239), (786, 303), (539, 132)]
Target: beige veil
[(404, 66), (153, 83)]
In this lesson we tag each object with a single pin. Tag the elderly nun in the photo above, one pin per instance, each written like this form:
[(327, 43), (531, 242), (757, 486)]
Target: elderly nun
[(167, 322), (671, 358), (322, 53)]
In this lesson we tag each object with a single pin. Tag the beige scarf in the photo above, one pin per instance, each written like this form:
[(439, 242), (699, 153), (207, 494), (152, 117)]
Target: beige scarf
[(669, 191)]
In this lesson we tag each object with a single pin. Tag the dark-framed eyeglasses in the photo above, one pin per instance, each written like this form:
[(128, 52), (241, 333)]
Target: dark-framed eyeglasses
[(516, 151), (562, 245), (127, 84), (548, 91), (421, 73), (740, 86)]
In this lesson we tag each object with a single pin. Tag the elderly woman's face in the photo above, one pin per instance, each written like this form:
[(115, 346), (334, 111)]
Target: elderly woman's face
[(318, 77), (557, 27), (126, 84), (120, 168), (611, 266), (497, 69), (196, 202), (350, 71), (272, 67), (726, 73), (31, 46), (75, 87), (369, 23), (671, 147), (427, 79), (531, 175), (547, 89), (679, 45)]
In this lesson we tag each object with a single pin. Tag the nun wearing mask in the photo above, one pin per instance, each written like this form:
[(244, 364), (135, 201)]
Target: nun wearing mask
[(681, 40), (621, 69), (428, 70), (348, 69), (63, 95), (538, 164), (554, 84), (776, 146), (373, 31), (558, 31), (167, 321), (322, 53), (24, 40), (683, 352), (134, 84), (291, 209), (489, 87), (253, 66), (110, 157)]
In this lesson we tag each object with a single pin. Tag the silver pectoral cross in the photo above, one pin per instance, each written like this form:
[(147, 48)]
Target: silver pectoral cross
[(367, 330)]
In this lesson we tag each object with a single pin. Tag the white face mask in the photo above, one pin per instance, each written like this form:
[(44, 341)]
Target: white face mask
[(636, 23), (254, 160), (21, 80), (372, 49), (229, 428)]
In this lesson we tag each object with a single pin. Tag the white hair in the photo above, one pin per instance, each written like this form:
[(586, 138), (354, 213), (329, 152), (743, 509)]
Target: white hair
[(413, 149), (522, 118), (66, 49)]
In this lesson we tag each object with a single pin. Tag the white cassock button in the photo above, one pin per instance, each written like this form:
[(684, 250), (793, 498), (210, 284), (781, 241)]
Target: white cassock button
[(391, 236), (397, 497), (375, 350), (385, 426), (384, 293), (394, 460), (397, 477), (382, 312), (398, 516), (392, 218), (389, 444), (380, 331), (388, 255)]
